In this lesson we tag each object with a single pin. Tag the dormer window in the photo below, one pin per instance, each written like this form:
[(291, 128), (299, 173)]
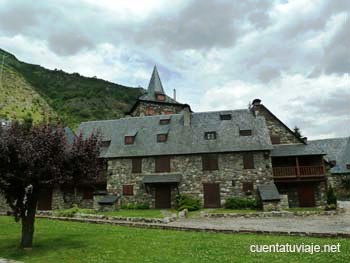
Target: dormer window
[(105, 143), (160, 97), (162, 137), (348, 166), (129, 139), (225, 117), (245, 132), (164, 121), (210, 135)]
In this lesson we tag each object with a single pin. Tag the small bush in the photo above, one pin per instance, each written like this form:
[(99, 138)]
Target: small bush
[(144, 205), (187, 202), (240, 203), (331, 207), (71, 212), (346, 183), (331, 197)]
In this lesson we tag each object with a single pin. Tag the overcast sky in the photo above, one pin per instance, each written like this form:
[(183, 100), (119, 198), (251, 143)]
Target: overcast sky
[(293, 55)]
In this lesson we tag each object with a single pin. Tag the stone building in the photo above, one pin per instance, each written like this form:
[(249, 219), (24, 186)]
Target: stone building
[(338, 156), (160, 152)]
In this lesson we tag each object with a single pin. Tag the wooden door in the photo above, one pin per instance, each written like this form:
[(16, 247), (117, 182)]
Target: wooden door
[(163, 196), (211, 195), (45, 199), (306, 193)]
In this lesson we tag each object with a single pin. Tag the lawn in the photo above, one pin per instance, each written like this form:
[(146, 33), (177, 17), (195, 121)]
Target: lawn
[(57, 241)]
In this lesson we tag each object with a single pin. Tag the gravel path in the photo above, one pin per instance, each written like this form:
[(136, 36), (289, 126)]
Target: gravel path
[(317, 224)]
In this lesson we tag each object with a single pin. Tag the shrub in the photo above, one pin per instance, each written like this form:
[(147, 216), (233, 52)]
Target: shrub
[(331, 197), (144, 205), (240, 203), (71, 212), (346, 183), (187, 202)]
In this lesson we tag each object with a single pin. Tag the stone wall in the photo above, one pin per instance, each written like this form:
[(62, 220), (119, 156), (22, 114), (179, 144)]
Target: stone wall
[(230, 176), (64, 200), (149, 108), (274, 125), (4, 207)]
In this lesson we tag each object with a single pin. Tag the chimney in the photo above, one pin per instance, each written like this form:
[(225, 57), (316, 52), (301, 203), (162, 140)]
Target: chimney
[(174, 94), (256, 102), (187, 116)]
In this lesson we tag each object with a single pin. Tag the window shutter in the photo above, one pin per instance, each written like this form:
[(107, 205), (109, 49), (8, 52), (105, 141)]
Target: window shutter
[(162, 164), (137, 165), (275, 139), (210, 162), (128, 190), (248, 161)]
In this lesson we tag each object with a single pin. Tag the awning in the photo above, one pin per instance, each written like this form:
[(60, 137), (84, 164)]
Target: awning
[(108, 200), (165, 178), (268, 192)]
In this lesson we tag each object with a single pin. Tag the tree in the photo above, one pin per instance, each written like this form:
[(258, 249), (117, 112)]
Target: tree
[(35, 157), (297, 132)]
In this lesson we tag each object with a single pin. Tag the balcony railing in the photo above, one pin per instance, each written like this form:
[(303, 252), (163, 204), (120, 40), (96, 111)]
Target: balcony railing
[(300, 171)]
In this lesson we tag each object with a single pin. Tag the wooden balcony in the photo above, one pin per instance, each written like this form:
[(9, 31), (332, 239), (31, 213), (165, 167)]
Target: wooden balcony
[(299, 172)]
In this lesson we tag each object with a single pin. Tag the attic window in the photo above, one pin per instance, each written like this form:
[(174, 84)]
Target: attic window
[(210, 135), (164, 121), (162, 137), (160, 97), (245, 132), (348, 166), (129, 139), (225, 117)]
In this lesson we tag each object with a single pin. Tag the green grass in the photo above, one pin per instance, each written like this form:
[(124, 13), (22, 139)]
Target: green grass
[(149, 213), (57, 241)]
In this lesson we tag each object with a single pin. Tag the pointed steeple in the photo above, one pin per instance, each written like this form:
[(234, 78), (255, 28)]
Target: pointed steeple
[(155, 85)]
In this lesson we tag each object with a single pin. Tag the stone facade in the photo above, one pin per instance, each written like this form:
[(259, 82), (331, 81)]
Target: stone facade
[(275, 126), (62, 199), (4, 207), (231, 175), (152, 108)]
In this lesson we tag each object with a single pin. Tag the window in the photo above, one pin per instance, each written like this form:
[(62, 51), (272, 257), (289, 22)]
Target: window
[(210, 135), (248, 161), (225, 117), (129, 139), (248, 187), (160, 97), (162, 137), (275, 139), (348, 166), (210, 162), (164, 121), (136, 165), (162, 164), (128, 189), (245, 132)]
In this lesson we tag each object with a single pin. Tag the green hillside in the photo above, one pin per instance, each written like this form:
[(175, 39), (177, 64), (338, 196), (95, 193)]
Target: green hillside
[(32, 89)]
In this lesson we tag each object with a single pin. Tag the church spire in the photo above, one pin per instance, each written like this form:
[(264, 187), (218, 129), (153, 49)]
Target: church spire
[(155, 85)]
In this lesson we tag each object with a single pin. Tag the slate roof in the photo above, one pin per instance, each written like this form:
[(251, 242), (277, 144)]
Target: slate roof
[(108, 200), (268, 192), (70, 136), (164, 178), (337, 149), (182, 139), (155, 87), (296, 150)]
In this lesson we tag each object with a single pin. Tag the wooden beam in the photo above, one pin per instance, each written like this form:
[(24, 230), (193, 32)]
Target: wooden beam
[(297, 164)]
